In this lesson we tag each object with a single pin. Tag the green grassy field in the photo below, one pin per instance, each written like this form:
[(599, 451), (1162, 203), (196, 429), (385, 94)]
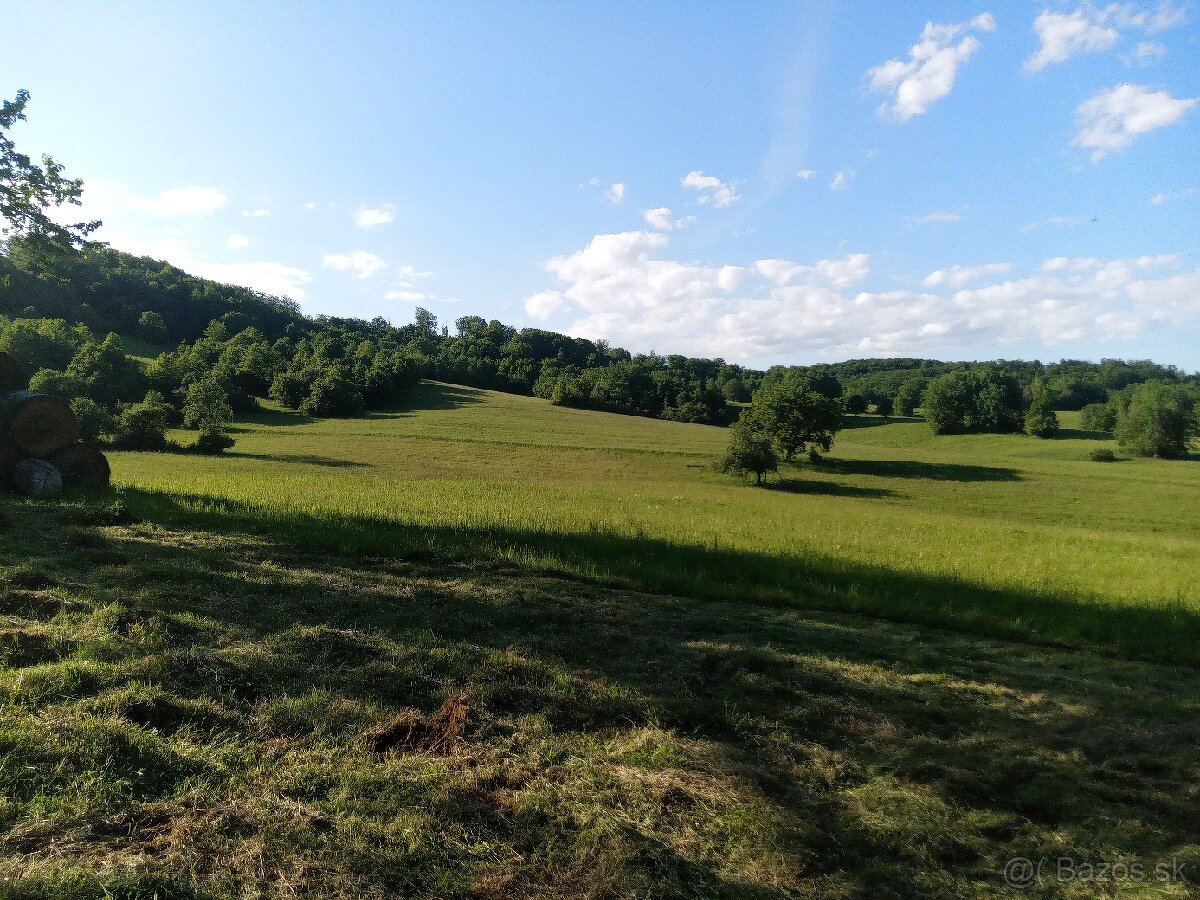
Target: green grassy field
[(486, 647), (1006, 536)]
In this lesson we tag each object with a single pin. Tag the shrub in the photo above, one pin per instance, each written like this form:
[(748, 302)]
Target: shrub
[(143, 426), (1040, 420), (207, 406), (212, 441), (1098, 417), (51, 381), (1102, 454), (1159, 420), (749, 451), (94, 420), (974, 400), (290, 389), (152, 327), (333, 394)]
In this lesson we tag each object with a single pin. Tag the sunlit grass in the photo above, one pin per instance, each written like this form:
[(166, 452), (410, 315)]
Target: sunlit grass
[(1004, 533)]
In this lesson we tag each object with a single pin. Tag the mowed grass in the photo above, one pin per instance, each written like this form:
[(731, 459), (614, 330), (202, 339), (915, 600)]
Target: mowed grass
[(1003, 535), (205, 712)]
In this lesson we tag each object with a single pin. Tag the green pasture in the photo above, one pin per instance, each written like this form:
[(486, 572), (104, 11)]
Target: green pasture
[(1009, 536)]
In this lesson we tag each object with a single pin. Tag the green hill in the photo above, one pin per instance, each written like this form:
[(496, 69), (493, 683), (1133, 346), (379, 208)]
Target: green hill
[(489, 647), (1008, 535)]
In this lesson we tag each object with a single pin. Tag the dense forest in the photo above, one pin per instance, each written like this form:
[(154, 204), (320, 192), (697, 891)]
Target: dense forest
[(70, 319)]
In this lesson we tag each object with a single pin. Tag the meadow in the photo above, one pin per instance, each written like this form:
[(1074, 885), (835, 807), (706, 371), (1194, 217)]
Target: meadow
[(486, 647), (1008, 536)]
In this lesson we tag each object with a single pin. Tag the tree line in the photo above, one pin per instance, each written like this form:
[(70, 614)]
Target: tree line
[(65, 302)]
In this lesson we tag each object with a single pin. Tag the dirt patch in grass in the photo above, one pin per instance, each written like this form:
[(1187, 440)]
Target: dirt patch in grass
[(415, 732)]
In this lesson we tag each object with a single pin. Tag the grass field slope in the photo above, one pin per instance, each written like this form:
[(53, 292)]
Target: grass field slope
[(1008, 536), (487, 648)]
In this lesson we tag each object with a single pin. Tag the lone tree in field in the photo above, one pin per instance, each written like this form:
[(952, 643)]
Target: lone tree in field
[(794, 416), (749, 451), (1159, 420), (973, 400), (29, 189)]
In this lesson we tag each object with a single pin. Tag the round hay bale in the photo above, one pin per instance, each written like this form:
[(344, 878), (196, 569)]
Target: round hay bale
[(39, 424), (83, 464), (12, 376), (37, 478)]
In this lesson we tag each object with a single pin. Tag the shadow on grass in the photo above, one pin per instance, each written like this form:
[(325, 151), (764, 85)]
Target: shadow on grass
[(826, 488), (866, 420), (305, 459), (1078, 434), (891, 762), (908, 468), (436, 395), (1160, 632), (274, 418)]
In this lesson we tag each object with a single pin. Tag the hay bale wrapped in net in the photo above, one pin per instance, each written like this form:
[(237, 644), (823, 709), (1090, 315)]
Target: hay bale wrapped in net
[(37, 478), (12, 376), (39, 424), (83, 464)]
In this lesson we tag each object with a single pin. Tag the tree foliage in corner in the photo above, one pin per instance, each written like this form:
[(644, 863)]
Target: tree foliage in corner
[(29, 189)]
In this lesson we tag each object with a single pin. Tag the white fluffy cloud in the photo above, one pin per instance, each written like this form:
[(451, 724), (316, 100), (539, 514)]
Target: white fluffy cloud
[(373, 216), (1063, 35), (362, 263), (663, 219), (620, 287), (712, 189), (841, 180), (107, 200), (237, 242), (805, 174), (615, 193), (1113, 118), (914, 84), (958, 276), (1090, 29), (405, 295), (184, 201), (255, 213)]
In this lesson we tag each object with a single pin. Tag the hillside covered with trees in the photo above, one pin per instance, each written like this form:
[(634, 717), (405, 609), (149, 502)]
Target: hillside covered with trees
[(68, 316)]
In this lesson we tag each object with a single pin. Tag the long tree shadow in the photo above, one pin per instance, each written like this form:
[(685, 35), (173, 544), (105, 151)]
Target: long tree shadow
[(434, 395), (908, 468), (819, 487), (306, 459), (851, 422), (1161, 632), (1079, 434)]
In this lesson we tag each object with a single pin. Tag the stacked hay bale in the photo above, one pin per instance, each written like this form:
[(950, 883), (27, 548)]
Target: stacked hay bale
[(40, 447)]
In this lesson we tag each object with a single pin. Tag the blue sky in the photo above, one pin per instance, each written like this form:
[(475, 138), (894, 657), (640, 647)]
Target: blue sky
[(762, 182)]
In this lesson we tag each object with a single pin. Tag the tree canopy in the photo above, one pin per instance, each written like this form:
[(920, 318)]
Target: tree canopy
[(28, 190), (795, 416)]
